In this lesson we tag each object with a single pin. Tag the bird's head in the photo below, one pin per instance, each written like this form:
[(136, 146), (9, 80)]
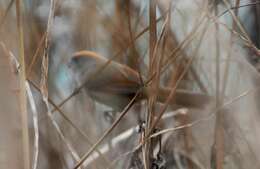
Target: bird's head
[(84, 63)]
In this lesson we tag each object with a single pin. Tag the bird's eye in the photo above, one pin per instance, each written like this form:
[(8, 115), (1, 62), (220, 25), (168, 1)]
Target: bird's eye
[(73, 62)]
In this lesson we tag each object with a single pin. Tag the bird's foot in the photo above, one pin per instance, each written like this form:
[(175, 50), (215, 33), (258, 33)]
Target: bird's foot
[(110, 115)]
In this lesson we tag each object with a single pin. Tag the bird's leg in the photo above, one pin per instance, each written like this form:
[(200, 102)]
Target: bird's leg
[(110, 115), (158, 161), (141, 126)]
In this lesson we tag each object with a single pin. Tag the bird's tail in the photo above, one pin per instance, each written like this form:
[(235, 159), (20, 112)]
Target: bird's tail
[(181, 97)]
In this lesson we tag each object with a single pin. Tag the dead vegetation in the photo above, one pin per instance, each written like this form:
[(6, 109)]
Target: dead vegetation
[(188, 70)]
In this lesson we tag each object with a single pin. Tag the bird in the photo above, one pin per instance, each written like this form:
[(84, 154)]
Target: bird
[(115, 84)]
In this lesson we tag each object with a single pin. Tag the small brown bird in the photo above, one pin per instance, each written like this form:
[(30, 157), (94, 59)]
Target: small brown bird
[(117, 84)]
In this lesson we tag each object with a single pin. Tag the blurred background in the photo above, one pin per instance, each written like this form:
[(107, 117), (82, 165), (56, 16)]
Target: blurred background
[(206, 47)]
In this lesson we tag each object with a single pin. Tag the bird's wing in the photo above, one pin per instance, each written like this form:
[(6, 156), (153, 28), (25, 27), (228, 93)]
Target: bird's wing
[(119, 78), (114, 77)]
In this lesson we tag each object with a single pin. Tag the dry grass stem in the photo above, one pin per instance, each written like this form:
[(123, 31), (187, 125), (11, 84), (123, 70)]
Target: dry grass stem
[(35, 125), (23, 99), (129, 84)]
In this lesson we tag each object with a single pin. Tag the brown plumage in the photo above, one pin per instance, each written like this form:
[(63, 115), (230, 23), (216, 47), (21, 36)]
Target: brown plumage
[(116, 85)]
